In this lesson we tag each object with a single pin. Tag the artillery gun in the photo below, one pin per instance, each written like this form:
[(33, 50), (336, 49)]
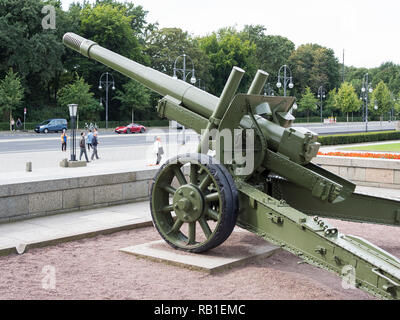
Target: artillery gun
[(271, 189)]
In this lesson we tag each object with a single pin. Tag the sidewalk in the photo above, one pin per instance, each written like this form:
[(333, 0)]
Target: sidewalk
[(45, 165), (16, 237)]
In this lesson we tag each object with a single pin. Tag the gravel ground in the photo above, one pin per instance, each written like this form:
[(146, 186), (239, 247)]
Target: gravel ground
[(95, 269)]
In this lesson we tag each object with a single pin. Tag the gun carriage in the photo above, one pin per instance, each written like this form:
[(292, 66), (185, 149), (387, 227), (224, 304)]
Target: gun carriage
[(261, 179)]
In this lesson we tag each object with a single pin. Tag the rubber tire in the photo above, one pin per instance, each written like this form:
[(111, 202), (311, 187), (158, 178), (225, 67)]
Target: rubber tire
[(230, 201), (46, 131), (128, 131), (142, 130)]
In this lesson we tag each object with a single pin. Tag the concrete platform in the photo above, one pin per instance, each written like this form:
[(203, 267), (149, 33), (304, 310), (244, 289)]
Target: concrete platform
[(216, 260), (17, 237)]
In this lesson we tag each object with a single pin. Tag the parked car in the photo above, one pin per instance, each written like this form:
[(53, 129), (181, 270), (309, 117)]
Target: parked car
[(130, 128), (52, 125)]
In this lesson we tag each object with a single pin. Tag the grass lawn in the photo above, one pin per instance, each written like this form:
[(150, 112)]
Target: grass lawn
[(389, 147)]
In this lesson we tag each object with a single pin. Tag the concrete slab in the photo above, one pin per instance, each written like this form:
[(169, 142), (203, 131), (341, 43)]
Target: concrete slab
[(17, 237), (209, 262)]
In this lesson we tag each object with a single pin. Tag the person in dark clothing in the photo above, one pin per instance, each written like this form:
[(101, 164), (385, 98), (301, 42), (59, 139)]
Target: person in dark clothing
[(82, 144), (94, 146), (19, 124)]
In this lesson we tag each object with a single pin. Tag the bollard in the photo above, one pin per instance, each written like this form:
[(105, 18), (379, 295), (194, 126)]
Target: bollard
[(29, 167)]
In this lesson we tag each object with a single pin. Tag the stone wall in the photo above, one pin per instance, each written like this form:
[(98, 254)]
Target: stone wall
[(366, 172), (39, 198)]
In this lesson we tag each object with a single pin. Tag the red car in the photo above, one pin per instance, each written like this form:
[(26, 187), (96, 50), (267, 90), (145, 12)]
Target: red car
[(131, 128)]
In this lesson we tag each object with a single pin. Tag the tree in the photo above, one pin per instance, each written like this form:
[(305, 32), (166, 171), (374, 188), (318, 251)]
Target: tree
[(226, 49), (308, 102), (33, 52), (346, 99), (79, 93), (382, 98), (167, 44), (272, 51), (134, 97), (330, 106), (312, 66), (396, 105), (11, 94)]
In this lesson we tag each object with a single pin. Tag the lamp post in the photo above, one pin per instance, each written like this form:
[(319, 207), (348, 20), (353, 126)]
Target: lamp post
[(286, 80), (185, 73), (73, 110), (106, 83), (365, 90), (202, 87), (321, 96), (268, 91), (376, 109)]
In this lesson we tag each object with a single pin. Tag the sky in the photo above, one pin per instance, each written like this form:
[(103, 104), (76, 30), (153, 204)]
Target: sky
[(367, 30)]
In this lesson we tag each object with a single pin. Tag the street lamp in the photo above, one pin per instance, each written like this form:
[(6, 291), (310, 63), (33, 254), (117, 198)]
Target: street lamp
[(106, 83), (268, 91), (202, 87), (365, 90), (286, 80), (73, 110), (321, 96), (185, 73)]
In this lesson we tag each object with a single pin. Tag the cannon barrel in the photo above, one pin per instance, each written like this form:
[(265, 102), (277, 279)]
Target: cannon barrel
[(192, 97), (207, 109)]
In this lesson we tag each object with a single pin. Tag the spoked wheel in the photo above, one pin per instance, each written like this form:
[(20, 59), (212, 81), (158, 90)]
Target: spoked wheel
[(198, 213)]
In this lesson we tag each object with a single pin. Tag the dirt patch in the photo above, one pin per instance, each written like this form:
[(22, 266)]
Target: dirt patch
[(95, 269)]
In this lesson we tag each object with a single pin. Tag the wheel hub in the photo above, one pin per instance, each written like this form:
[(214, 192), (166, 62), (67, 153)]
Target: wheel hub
[(188, 203)]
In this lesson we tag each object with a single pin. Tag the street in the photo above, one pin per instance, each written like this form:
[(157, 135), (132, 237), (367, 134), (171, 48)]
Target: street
[(33, 142)]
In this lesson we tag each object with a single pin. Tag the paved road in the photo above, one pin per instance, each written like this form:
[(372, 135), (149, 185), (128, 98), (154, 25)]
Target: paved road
[(32, 142), (40, 142), (350, 127)]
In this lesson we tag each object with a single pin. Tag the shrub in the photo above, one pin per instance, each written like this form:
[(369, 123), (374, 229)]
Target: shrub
[(358, 138)]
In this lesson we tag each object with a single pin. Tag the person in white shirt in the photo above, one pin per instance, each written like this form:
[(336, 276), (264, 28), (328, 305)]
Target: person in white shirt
[(158, 149)]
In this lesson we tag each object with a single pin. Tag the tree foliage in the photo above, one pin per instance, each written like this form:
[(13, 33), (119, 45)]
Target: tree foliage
[(226, 49), (134, 96), (79, 93), (381, 98), (308, 102), (44, 66), (271, 51), (347, 99), (11, 94), (312, 66)]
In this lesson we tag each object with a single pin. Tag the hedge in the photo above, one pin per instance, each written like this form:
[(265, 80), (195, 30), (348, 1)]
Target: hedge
[(358, 138)]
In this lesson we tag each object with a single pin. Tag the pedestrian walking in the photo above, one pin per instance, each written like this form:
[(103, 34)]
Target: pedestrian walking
[(94, 146), (12, 122), (19, 124), (82, 145), (158, 149), (64, 139), (89, 140)]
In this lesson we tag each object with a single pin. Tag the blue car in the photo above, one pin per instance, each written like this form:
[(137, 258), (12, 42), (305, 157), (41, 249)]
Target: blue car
[(52, 125)]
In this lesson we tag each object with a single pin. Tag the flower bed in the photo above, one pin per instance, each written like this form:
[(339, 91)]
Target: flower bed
[(361, 155)]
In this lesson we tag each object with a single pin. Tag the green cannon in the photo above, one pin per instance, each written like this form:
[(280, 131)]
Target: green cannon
[(260, 178)]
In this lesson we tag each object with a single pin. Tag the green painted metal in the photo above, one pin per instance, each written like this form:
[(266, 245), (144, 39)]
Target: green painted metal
[(318, 243), (356, 207), (196, 203), (258, 83)]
